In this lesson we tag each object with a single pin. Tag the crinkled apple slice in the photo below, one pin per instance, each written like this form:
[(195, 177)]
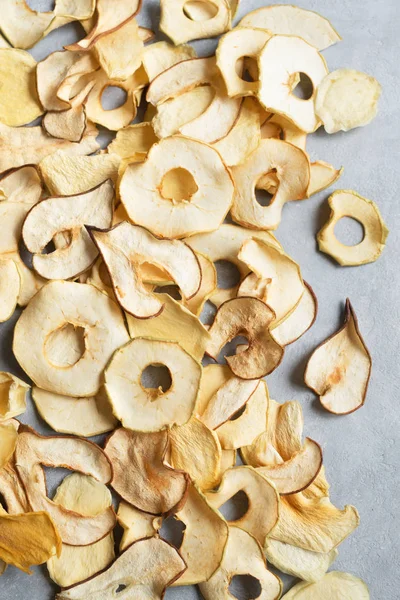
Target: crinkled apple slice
[(203, 209), (254, 286), (21, 185), (227, 400), (55, 306), (277, 81), (125, 247), (262, 513), (322, 176), (204, 538), (8, 441), (50, 74), (333, 585), (180, 28), (85, 417), (70, 213), (161, 56), (12, 490), (196, 450), (10, 285), (133, 141), (339, 369), (136, 524), (79, 75), (85, 495), (243, 555), (216, 121), (252, 318), (149, 409), (292, 20), (347, 99), (76, 454), (69, 124), (293, 169), (140, 473), (307, 565), (346, 203), (207, 286), (144, 570), (300, 320), (12, 396)]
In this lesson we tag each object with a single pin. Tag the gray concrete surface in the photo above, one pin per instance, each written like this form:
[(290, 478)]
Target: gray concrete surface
[(361, 451)]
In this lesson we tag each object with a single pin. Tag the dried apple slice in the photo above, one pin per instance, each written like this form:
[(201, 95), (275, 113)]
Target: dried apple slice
[(300, 320), (69, 124), (277, 84), (332, 585), (21, 185), (149, 409), (203, 209), (161, 56), (292, 20), (340, 368), (180, 28), (10, 285), (8, 441), (346, 203), (53, 309), (207, 286), (216, 121), (243, 555), (133, 141), (285, 129), (148, 567), (213, 378), (12, 490), (12, 396), (204, 539), (202, 10), (136, 524), (347, 99), (227, 400), (322, 175), (140, 474), (125, 247), (86, 496), (50, 74), (251, 318), (293, 169), (307, 565)]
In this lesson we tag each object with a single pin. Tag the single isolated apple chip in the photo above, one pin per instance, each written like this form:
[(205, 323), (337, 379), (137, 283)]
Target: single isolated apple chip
[(59, 312), (140, 473), (136, 524), (295, 561), (333, 585), (347, 99), (10, 285), (292, 20), (8, 442), (346, 203), (339, 369), (252, 318), (12, 396), (243, 555), (148, 567), (180, 27), (160, 56), (21, 185), (322, 176), (133, 141)]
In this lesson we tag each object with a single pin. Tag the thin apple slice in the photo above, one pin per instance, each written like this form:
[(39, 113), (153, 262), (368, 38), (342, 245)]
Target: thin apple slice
[(331, 586), (180, 28)]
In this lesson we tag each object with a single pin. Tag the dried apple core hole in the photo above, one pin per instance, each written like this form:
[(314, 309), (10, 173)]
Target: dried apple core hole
[(203, 15), (113, 97), (249, 71), (304, 89), (229, 349), (173, 530), (41, 5), (178, 185), (349, 231), (65, 346), (263, 197), (228, 275), (156, 377), (245, 587), (236, 507)]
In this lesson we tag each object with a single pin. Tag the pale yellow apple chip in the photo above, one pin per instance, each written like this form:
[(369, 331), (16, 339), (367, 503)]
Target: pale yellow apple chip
[(202, 10), (322, 176), (10, 285), (133, 141), (50, 75), (232, 396), (69, 124), (180, 27), (23, 184), (30, 282), (340, 368), (346, 203), (147, 567), (12, 396), (140, 474), (333, 585), (347, 99), (213, 378), (8, 441), (12, 489), (280, 127), (243, 555), (152, 409), (161, 56), (136, 524), (293, 20), (300, 320), (307, 565)]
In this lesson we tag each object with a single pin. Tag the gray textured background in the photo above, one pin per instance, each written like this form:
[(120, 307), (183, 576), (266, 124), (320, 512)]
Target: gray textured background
[(360, 450)]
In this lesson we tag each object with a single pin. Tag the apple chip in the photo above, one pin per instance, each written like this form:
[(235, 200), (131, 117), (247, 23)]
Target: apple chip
[(300, 320), (293, 20), (8, 441), (10, 285), (263, 500), (307, 565), (243, 555), (207, 286), (252, 318), (133, 141), (160, 56), (227, 400), (180, 28), (180, 212), (346, 203), (347, 99), (204, 538), (277, 83), (202, 10), (333, 585), (69, 124), (21, 185), (50, 74), (339, 369), (152, 409), (12, 490), (136, 524), (12, 396), (85, 417), (322, 176), (213, 378), (140, 473), (95, 318), (292, 167)]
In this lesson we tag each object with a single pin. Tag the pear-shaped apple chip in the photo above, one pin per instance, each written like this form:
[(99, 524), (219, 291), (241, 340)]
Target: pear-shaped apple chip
[(136, 524), (180, 28), (12, 396), (339, 369), (333, 585), (307, 565)]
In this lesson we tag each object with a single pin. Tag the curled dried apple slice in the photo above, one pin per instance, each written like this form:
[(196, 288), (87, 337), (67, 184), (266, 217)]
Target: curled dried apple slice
[(243, 555), (21, 185), (8, 441), (279, 127), (133, 141), (216, 121), (180, 28), (207, 286), (140, 474), (10, 285), (277, 83), (12, 396), (333, 584), (293, 20), (161, 56), (322, 175), (252, 318), (52, 310), (12, 490), (148, 566), (339, 369), (136, 524), (50, 74), (227, 400), (300, 320), (69, 124), (149, 409), (307, 565), (346, 203), (125, 247)]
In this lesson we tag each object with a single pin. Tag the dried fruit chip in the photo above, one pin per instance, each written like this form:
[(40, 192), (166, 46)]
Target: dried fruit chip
[(300, 320), (180, 28), (10, 285), (8, 441), (21, 185), (309, 566), (227, 400), (50, 74), (69, 124), (332, 585), (322, 175), (207, 286), (339, 369), (161, 56), (133, 141), (136, 524), (279, 127), (12, 396)]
